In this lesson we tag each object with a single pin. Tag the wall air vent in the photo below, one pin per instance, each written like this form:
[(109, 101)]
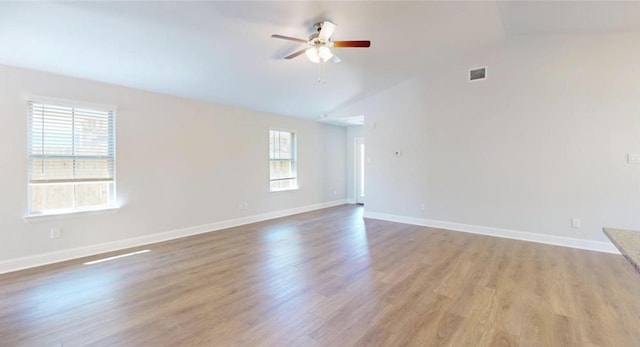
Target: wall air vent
[(478, 74)]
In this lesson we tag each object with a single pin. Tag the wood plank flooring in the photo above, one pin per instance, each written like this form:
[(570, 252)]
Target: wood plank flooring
[(328, 278)]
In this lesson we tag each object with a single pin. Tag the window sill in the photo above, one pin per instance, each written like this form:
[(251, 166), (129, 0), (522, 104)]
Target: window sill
[(283, 190), (34, 218)]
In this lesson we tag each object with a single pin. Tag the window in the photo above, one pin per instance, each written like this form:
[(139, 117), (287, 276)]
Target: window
[(282, 160), (71, 158)]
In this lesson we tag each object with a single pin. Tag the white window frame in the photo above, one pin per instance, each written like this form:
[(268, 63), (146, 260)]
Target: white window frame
[(112, 202), (294, 160)]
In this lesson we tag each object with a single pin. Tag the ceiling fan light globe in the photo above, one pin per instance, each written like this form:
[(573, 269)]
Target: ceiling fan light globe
[(313, 54), (324, 53)]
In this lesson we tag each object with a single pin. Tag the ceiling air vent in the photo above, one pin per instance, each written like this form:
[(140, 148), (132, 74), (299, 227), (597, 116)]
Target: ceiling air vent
[(478, 74)]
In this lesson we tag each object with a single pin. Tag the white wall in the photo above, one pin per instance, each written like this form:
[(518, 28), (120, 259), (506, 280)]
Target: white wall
[(353, 132), (180, 163), (542, 140)]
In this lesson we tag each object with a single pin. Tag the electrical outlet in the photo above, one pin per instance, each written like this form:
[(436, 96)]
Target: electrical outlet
[(633, 158), (422, 206), (575, 223), (55, 233)]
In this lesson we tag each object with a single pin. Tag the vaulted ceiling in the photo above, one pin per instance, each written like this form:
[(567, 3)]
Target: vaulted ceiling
[(222, 52)]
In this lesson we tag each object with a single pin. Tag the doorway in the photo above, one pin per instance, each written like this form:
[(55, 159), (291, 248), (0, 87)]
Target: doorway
[(359, 171)]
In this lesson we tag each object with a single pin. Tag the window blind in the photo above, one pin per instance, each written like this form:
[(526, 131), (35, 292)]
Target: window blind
[(282, 160), (70, 145)]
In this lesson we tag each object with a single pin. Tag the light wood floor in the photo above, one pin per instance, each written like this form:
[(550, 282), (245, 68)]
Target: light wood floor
[(328, 278)]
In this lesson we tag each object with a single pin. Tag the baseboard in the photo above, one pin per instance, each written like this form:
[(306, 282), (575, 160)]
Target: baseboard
[(351, 201), (22, 263), (591, 245)]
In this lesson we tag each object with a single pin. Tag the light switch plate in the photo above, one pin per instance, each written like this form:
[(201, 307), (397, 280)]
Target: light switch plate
[(633, 158)]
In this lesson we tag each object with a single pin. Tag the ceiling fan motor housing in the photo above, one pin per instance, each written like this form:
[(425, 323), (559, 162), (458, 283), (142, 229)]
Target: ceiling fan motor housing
[(313, 39)]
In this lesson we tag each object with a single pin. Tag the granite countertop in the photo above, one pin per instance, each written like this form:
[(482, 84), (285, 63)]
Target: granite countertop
[(628, 242)]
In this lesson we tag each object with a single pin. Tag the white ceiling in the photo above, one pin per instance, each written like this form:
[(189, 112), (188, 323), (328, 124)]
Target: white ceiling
[(222, 52)]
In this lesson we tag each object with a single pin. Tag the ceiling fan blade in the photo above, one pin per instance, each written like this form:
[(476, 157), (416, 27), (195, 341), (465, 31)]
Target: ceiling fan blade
[(288, 38), (327, 30), (339, 44), (293, 55)]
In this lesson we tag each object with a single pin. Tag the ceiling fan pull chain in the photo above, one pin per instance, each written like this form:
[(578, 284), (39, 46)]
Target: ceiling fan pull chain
[(324, 72), (321, 72)]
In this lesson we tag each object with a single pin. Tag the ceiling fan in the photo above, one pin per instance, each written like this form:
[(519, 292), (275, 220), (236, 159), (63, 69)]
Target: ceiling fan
[(320, 43)]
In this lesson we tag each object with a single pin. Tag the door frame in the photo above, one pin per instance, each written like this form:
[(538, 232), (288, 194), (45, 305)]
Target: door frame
[(358, 165)]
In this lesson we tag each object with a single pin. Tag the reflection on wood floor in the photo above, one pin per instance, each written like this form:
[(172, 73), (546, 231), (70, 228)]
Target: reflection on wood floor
[(328, 278)]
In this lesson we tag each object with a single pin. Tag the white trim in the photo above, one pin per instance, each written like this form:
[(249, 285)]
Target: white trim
[(591, 245), (284, 189), (351, 201), (21, 263), (356, 166), (44, 217), (70, 103)]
